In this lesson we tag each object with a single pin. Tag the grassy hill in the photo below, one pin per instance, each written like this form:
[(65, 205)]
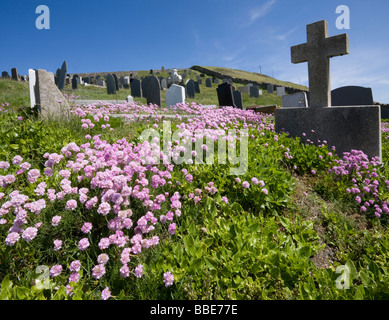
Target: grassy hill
[(246, 76)]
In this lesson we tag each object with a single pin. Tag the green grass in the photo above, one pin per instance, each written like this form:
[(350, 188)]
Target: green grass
[(15, 93)]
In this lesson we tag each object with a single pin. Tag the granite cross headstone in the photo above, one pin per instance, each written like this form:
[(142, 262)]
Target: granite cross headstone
[(345, 127)]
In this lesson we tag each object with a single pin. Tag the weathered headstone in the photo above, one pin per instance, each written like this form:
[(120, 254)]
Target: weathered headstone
[(144, 85), (135, 88), (208, 83), (216, 80), (15, 75), (280, 91), (74, 83), (115, 77), (346, 128), (238, 99), (246, 88), (153, 91), (352, 96), (197, 86), (62, 76), (270, 88), (295, 100), (111, 87), (254, 91), (46, 96), (175, 94), (190, 89), (5, 75), (225, 95), (164, 83)]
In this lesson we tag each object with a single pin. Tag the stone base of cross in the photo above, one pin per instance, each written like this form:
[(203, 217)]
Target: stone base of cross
[(347, 128)]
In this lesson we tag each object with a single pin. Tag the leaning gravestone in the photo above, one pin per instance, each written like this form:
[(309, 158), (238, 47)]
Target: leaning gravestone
[(135, 88), (175, 94), (225, 95), (352, 96), (190, 89), (346, 127), (15, 75), (62, 76), (153, 91), (295, 100), (238, 99), (46, 96), (111, 86), (208, 83), (254, 91)]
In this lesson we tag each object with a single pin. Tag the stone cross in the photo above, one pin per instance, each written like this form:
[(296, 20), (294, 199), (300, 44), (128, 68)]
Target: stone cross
[(317, 51)]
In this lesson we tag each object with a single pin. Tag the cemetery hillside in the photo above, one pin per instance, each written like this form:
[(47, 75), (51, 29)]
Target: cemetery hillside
[(205, 183)]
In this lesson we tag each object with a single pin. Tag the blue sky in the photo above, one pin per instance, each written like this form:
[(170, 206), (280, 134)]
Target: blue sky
[(118, 35)]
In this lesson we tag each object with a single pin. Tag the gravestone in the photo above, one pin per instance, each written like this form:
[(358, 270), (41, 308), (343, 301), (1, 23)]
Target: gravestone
[(352, 96), (153, 91), (15, 75), (225, 95), (164, 83), (197, 86), (111, 86), (190, 89), (227, 80), (254, 91), (5, 75), (216, 80), (246, 88), (46, 96), (208, 83), (62, 76), (115, 77), (74, 83), (100, 82), (175, 94), (135, 88), (144, 85), (295, 100), (270, 88), (238, 99), (280, 91), (126, 80), (345, 127)]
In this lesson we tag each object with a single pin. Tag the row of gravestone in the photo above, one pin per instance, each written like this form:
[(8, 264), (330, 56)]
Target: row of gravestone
[(14, 75)]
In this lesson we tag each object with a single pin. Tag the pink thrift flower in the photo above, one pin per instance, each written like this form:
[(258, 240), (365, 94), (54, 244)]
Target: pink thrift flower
[(56, 270), (103, 258), (71, 204), (246, 185), (75, 266), (29, 234), (104, 208), (264, 190), (55, 220), (139, 271), (172, 228), (12, 238), (98, 271), (87, 227), (83, 244), (105, 294), (168, 279), (57, 245)]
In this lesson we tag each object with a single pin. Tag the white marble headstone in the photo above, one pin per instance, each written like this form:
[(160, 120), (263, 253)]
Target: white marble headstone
[(32, 81), (175, 94)]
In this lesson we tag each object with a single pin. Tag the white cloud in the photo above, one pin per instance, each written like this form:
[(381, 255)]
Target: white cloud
[(259, 12)]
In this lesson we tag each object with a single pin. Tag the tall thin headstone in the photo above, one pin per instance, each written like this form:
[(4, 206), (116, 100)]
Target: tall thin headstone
[(15, 75), (238, 99), (111, 87), (62, 76)]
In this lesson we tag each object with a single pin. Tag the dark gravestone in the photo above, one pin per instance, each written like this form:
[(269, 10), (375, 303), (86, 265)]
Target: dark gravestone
[(74, 83), (111, 87), (151, 71), (135, 88), (62, 76), (208, 83), (225, 95), (254, 91), (215, 80), (238, 99), (200, 81), (57, 75), (197, 87), (270, 88), (115, 77), (144, 87), (5, 75), (153, 91), (15, 75), (190, 89), (352, 96)]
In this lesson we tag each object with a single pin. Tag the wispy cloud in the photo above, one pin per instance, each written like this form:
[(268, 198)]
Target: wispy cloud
[(284, 36), (261, 11)]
